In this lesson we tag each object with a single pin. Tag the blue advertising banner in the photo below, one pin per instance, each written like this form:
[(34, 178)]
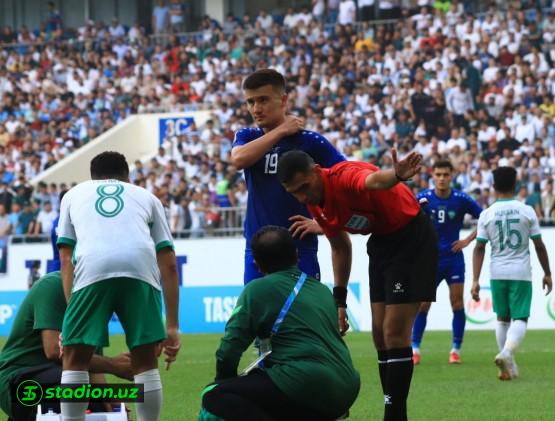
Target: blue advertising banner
[(174, 126), (201, 309), (9, 304)]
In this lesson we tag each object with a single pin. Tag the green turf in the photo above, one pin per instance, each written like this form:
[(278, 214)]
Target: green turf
[(439, 391)]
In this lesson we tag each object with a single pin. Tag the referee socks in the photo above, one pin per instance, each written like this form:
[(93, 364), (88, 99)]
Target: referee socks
[(382, 367), (397, 383)]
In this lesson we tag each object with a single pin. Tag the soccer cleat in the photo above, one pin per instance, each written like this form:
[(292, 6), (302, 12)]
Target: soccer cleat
[(454, 358), (514, 370), (415, 357), (503, 376), (504, 361)]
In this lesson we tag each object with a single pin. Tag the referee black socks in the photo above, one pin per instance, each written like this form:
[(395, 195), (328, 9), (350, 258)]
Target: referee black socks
[(397, 383), (382, 367)]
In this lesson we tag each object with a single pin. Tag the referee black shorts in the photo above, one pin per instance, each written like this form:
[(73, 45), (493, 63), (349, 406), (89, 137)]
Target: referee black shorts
[(403, 264)]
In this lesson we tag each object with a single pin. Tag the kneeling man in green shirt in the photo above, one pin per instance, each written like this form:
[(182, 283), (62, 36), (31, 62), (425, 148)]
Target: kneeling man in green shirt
[(32, 350), (306, 372)]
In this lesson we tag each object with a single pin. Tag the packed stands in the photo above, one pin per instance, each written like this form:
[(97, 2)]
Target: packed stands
[(478, 89)]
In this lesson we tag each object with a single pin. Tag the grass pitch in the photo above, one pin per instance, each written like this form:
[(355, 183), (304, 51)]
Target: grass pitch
[(439, 391)]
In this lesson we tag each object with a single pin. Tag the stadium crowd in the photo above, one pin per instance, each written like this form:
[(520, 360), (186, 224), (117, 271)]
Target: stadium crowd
[(478, 90)]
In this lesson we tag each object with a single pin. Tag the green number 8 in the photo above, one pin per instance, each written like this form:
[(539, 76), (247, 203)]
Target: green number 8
[(109, 196)]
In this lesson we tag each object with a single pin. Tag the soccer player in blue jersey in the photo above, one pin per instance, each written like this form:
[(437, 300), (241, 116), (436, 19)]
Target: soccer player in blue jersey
[(447, 208), (257, 152)]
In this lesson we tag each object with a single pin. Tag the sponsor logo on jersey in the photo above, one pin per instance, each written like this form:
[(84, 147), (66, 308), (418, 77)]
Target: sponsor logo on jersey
[(358, 222)]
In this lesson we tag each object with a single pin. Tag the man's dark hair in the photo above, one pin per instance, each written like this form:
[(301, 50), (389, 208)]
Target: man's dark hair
[(443, 163), (109, 164), (273, 249), (265, 77), (292, 163), (504, 179)]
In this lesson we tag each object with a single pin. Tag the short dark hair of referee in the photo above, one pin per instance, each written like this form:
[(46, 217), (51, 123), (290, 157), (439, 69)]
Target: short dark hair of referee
[(357, 197)]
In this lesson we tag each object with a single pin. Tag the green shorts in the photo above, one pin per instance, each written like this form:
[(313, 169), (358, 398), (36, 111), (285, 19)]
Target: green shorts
[(511, 298), (137, 304)]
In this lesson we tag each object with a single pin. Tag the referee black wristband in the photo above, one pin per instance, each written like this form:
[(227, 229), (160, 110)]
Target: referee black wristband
[(340, 295)]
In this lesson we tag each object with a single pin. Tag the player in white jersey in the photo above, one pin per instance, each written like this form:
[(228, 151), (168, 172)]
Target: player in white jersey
[(509, 224), (115, 248)]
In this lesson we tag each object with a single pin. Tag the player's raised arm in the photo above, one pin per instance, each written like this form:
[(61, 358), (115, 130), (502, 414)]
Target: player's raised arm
[(266, 99), (401, 171), (245, 155)]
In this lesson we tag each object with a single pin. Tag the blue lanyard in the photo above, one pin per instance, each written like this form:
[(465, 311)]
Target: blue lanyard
[(287, 304)]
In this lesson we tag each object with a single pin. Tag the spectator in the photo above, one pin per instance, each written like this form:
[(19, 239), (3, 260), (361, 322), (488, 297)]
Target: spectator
[(177, 16), (547, 200), (5, 226), (116, 29), (14, 219), (459, 102), (524, 129), (332, 10), (366, 8), (54, 20), (34, 274), (160, 18), (347, 12), (318, 10), (45, 219), (265, 20)]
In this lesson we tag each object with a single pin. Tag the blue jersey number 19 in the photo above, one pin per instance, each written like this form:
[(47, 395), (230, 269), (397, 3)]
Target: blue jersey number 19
[(271, 163)]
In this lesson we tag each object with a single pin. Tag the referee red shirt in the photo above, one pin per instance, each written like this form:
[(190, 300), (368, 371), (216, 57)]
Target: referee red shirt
[(348, 206)]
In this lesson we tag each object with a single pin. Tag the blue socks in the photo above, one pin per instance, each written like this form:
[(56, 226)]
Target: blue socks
[(418, 329), (459, 321)]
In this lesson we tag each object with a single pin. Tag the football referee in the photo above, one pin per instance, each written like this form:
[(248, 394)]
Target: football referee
[(357, 197)]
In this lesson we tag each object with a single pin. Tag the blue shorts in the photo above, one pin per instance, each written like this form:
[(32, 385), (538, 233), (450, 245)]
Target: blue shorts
[(308, 263), (451, 269)]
